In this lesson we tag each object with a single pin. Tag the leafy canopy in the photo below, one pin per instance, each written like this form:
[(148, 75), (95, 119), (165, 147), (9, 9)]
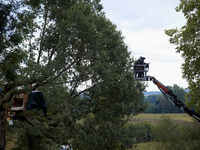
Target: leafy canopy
[(72, 53), (187, 43)]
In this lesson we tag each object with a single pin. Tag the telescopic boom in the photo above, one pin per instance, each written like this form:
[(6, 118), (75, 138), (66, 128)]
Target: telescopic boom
[(172, 98), (141, 68)]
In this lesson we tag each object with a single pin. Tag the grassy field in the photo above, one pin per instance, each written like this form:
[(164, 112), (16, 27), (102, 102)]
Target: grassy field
[(154, 118), (145, 146)]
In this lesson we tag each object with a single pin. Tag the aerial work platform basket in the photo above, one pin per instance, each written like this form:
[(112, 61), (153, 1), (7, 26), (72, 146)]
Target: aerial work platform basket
[(141, 68)]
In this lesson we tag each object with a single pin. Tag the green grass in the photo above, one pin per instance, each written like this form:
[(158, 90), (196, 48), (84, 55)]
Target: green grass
[(154, 118), (145, 146)]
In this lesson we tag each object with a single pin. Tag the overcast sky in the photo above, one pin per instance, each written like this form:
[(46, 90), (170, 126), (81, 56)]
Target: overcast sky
[(142, 23)]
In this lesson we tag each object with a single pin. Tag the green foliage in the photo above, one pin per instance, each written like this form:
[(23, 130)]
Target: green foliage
[(187, 42), (151, 98), (73, 50), (173, 136), (27, 138), (162, 105), (140, 132), (100, 134), (190, 136), (12, 35), (166, 133)]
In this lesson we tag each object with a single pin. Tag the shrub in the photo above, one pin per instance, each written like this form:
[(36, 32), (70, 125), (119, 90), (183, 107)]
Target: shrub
[(140, 132), (173, 136)]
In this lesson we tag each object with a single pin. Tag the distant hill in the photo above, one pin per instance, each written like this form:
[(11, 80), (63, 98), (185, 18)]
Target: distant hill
[(158, 92), (151, 93)]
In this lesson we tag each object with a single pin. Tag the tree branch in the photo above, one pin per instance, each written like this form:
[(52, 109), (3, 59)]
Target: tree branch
[(42, 36), (85, 90), (59, 74), (46, 134)]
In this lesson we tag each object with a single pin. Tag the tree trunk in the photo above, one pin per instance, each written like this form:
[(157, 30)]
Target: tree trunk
[(2, 131)]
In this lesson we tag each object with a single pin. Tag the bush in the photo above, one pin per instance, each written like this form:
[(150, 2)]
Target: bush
[(173, 136), (166, 133), (140, 132)]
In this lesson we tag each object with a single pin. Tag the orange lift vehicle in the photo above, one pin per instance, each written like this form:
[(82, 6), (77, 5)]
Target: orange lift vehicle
[(141, 68)]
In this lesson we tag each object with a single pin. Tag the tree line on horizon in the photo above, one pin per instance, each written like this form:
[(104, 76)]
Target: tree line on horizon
[(158, 103)]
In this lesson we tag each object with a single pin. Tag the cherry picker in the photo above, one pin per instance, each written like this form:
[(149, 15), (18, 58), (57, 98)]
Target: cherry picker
[(141, 68)]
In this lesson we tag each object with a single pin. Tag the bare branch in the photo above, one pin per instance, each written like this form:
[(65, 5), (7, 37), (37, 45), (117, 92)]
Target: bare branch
[(74, 87), (52, 53), (42, 36), (65, 69), (84, 90)]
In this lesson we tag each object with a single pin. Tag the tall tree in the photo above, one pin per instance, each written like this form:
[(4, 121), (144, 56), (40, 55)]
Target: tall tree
[(71, 49), (187, 42), (13, 30)]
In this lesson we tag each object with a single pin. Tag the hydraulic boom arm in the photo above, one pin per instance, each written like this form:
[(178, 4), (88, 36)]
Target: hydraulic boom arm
[(141, 68), (173, 98)]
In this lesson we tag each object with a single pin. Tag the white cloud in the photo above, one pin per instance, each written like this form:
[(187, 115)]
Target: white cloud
[(165, 64), (142, 24)]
